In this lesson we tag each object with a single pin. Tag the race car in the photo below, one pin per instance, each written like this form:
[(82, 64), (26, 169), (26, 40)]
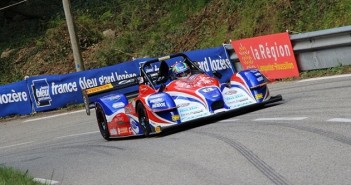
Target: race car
[(167, 97)]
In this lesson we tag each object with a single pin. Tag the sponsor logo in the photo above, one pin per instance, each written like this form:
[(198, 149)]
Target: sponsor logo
[(157, 100), (134, 126), (259, 96), (183, 104), (113, 131), (158, 129), (40, 90), (123, 130), (175, 117), (230, 92), (158, 105), (115, 97), (208, 89), (118, 105), (99, 88)]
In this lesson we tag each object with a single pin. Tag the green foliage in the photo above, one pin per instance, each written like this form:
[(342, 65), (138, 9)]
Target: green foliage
[(153, 28), (326, 72), (11, 176)]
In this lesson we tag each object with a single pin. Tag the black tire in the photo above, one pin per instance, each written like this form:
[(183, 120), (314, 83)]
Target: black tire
[(102, 123), (143, 119)]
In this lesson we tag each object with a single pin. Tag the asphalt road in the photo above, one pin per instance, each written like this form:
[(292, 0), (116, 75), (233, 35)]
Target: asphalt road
[(305, 139)]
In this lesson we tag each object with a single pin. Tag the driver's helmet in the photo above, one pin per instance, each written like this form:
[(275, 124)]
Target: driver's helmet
[(181, 70)]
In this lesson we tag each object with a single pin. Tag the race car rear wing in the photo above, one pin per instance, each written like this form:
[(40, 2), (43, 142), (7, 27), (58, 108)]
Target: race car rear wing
[(98, 90)]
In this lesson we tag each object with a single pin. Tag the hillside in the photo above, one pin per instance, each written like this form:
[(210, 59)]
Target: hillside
[(35, 41)]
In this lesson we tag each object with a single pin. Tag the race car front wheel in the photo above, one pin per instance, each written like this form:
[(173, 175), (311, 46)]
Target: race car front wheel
[(143, 119), (101, 119)]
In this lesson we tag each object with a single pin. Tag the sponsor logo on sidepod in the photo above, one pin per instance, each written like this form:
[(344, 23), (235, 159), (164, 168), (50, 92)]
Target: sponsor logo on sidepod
[(134, 126), (118, 105)]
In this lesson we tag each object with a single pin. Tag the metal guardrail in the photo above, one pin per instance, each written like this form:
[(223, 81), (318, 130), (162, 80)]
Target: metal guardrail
[(316, 50)]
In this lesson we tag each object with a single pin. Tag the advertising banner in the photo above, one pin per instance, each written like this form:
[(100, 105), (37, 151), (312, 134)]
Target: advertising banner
[(14, 99), (54, 91), (214, 59), (272, 54), (49, 92)]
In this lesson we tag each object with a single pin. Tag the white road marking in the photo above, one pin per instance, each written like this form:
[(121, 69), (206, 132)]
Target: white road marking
[(9, 146), (53, 116), (281, 119), (74, 135), (340, 120), (45, 181), (323, 78), (228, 120)]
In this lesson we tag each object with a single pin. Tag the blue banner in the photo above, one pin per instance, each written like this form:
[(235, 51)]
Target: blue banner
[(214, 59), (14, 99), (54, 91), (48, 92)]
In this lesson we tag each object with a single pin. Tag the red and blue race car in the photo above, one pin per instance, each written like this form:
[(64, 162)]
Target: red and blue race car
[(172, 96)]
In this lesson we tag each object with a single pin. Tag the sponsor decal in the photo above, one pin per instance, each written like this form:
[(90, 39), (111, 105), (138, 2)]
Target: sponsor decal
[(134, 126), (259, 96), (40, 90), (175, 117), (158, 105), (183, 104), (207, 89), (158, 129), (230, 92), (113, 131), (259, 79), (157, 100), (115, 97), (122, 130), (118, 105), (187, 109), (99, 88), (157, 95)]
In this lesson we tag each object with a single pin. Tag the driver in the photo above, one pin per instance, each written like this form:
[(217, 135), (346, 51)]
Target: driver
[(181, 70)]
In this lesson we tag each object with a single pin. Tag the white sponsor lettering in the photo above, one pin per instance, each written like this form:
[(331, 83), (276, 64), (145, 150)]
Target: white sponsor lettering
[(87, 83), (160, 104), (270, 50), (42, 93), (107, 79), (219, 64), (118, 105), (13, 97), (124, 76), (204, 65), (63, 88), (156, 100)]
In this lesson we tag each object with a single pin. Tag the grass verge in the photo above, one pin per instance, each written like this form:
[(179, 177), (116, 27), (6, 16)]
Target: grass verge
[(10, 176)]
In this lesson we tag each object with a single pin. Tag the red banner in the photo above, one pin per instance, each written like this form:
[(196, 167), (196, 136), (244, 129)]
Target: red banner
[(271, 54)]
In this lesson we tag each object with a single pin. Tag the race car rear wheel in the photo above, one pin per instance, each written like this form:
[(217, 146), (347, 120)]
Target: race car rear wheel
[(143, 119), (101, 119)]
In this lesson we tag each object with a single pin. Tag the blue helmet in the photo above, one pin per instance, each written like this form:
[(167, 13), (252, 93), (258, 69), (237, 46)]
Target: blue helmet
[(181, 69)]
